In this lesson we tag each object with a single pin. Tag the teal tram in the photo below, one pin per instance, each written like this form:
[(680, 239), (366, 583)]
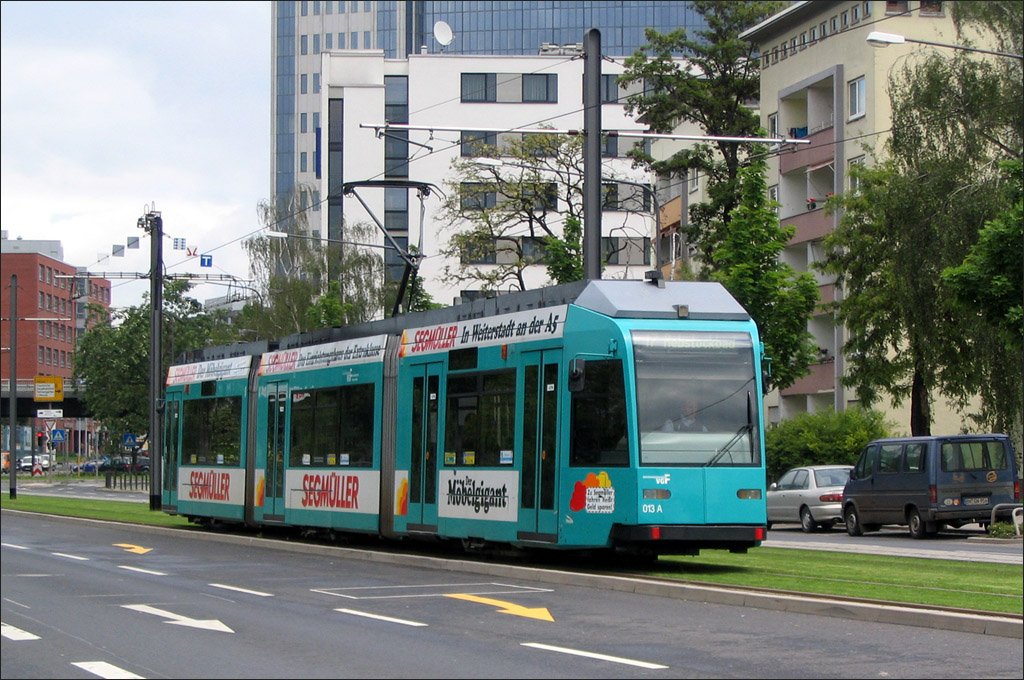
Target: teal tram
[(621, 415)]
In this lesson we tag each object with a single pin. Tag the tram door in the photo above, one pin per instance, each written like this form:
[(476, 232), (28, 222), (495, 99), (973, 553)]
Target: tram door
[(277, 437), (539, 510), (426, 406), (172, 433)]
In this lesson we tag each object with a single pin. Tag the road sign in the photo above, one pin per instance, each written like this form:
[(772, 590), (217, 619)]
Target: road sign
[(48, 388), (49, 413), (206, 260), (128, 440), (57, 436), (50, 424)]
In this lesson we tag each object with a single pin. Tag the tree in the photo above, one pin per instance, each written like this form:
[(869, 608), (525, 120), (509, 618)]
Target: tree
[(304, 284), (522, 212), (780, 299), (920, 212), (822, 438), (712, 88), (112, 357)]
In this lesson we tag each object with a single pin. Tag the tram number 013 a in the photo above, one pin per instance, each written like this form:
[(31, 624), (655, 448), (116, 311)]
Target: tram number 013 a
[(648, 508)]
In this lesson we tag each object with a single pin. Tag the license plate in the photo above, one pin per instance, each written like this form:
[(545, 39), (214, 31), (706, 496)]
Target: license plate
[(977, 500)]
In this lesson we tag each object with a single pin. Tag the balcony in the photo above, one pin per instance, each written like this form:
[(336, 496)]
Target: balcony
[(820, 379), (810, 225), (820, 150)]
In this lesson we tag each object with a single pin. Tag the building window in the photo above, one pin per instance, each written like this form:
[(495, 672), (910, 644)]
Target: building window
[(540, 87), (354, 40), (42, 273), (626, 251), (845, 20), (302, 122), (316, 44), (931, 8), (814, 34), (858, 98), (354, 6), (823, 29), (854, 183), (473, 143), (329, 7), (305, 7), (803, 40), (479, 87), (328, 40), (316, 8), (367, 44), (341, 41), (304, 42), (833, 25), (316, 83), (474, 197), (302, 162), (783, 52), (303, 84), (792, 45), (867, 9), (896, 7), (773, 197), (694, 181), (775, 55), (773, 125)]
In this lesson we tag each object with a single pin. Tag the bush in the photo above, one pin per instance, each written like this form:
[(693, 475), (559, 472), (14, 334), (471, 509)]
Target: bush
[(1002, 530), (823, 438)]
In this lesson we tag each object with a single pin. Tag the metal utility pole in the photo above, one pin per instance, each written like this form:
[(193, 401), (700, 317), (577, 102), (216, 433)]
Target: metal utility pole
[(12, 456), (592, 154), (153, 224)]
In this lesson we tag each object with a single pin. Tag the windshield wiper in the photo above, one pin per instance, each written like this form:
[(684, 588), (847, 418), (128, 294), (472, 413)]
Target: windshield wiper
[(747, 428)]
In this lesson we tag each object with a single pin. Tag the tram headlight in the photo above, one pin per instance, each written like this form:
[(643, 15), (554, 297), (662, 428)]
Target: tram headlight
[(657, 494), (749, 494)]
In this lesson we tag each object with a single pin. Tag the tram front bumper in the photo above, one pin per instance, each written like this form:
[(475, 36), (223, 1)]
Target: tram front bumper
[(683, 539)]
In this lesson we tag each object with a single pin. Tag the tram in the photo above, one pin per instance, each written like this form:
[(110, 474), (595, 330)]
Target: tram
[(549, 418)]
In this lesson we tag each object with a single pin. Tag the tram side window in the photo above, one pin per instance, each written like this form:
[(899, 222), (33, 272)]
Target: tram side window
[(480, 420), (332, 427), (599, 435), (212, 431)]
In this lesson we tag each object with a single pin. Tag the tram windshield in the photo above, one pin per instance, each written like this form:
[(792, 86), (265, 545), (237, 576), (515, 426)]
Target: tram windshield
[(696, 398)]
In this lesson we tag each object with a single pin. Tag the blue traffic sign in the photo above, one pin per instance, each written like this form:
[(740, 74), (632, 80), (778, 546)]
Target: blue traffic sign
[(206, 260), (57, 436), (128, 440)]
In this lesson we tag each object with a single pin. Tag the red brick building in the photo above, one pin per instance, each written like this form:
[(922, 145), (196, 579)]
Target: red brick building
[(51, 311)]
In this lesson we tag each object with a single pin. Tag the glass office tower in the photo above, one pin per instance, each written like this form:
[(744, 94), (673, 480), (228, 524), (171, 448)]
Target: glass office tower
[(303, 29)]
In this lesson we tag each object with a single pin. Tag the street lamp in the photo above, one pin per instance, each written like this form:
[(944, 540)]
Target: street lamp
[(880, 39)]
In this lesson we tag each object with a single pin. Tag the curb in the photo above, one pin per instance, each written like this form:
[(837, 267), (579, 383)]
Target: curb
[(964, 622)]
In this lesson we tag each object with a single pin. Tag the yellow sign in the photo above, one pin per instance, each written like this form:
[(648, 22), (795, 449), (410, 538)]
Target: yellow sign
[(49, 388)]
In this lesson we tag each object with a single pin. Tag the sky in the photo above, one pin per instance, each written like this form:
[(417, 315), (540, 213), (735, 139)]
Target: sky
[(111, 109)]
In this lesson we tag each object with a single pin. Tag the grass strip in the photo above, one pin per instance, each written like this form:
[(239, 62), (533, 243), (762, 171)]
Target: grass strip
[(904, 580)]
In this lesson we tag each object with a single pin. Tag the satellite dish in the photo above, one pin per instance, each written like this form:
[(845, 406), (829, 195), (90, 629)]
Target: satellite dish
[(443, 33)]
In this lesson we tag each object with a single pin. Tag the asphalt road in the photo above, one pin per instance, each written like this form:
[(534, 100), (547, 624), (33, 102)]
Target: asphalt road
[(97, 599)]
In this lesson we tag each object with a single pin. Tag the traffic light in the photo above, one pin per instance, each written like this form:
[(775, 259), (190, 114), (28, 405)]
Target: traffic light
[(40, 441)]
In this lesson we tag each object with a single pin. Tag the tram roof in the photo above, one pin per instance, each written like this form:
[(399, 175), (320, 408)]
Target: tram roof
[(630, 299)]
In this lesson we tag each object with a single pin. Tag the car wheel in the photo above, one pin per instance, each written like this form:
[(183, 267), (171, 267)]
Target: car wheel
[(918, 527), (853, 526), (807, 522)]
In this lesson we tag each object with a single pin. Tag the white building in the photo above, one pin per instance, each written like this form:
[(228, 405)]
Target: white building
[(437, 96)]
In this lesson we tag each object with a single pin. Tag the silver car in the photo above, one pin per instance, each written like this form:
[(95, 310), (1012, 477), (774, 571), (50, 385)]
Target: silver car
[(811, 495)]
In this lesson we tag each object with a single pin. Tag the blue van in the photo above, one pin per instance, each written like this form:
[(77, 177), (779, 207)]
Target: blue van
[(927, 483)]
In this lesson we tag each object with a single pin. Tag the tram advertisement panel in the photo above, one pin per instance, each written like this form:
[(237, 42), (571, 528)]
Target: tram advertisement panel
[(484, 494), (212, 485), (329, 354), (355, 491), (221, 369), (537, 324)]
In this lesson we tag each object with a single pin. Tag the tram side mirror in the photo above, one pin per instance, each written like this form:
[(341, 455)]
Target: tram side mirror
[(576, 374)]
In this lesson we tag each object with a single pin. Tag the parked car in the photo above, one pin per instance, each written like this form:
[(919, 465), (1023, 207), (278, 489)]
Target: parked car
[(91, 465), (124, 464), (926, 483), (811, 495), (43, 459)]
